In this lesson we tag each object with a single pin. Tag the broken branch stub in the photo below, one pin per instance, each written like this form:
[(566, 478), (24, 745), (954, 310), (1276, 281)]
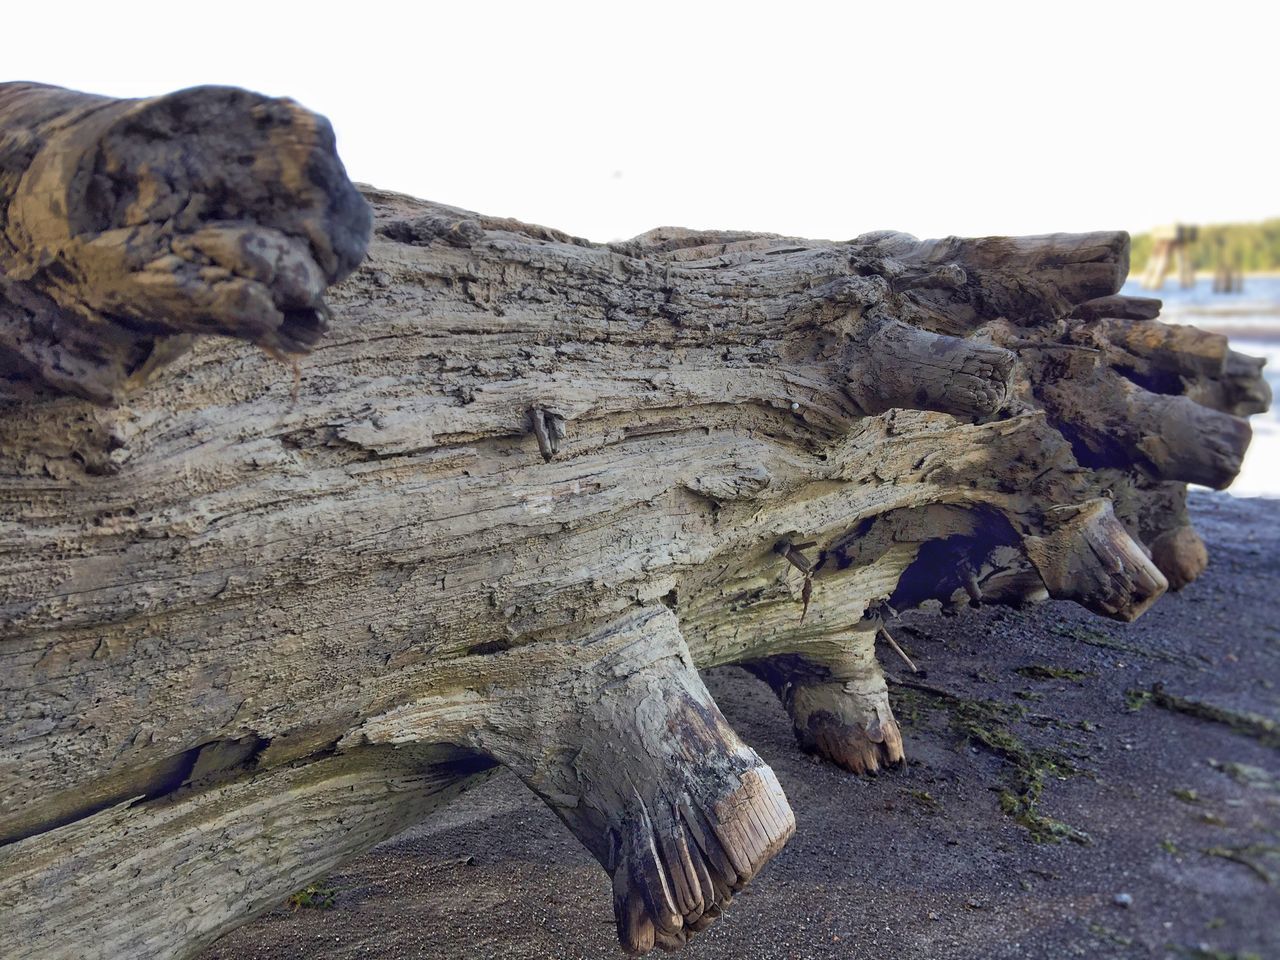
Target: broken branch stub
[(127, 223), (523, 487), (1087, 556), (901, 366), (839, 708)]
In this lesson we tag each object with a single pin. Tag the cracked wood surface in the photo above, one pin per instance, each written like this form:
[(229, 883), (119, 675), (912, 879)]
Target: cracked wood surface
[(253, 623)]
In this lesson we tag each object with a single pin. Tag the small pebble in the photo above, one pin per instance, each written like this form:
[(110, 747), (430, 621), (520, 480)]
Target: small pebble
[(1123, 900)]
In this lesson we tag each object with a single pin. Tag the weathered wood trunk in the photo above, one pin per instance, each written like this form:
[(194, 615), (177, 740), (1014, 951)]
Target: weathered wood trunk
[(256, 620)]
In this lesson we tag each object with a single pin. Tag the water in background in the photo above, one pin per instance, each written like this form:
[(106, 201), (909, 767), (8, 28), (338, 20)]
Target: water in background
[(1251, 320)]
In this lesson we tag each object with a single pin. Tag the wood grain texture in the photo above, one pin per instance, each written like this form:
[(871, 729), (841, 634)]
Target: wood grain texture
[(523, 486)]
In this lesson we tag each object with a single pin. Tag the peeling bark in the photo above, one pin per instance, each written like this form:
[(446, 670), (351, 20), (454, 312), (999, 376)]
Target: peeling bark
[(521, 487)]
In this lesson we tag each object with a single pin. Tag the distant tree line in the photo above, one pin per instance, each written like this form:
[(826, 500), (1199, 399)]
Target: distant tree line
[(1251, 247)]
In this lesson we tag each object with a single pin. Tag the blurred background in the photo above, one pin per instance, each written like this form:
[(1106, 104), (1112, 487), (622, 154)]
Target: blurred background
[(808, 119), (1223, 277)]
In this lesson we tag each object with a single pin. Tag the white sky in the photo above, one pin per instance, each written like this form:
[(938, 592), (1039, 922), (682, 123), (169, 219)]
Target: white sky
[(812, 119)]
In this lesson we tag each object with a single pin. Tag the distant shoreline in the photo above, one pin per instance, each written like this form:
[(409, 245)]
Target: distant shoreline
[(1212, 321), (1240, 334), (1135, 275), (1254, 309), (1252, 313)]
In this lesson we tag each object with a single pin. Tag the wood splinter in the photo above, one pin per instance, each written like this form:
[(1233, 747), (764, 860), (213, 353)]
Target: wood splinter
[(791, 553), (888, 638), (549, 430)]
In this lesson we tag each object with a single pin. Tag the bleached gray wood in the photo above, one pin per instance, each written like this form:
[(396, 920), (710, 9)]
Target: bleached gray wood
[(252, 622)]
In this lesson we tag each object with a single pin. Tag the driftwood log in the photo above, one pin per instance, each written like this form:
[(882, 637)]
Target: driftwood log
[(508, 493)]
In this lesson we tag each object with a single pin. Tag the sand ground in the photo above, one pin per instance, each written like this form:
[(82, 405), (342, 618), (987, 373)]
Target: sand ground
[(1181, 813)]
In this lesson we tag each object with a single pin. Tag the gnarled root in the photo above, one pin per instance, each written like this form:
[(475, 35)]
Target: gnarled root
[(839, 705), (1180, 555), (1091, 559), (631, 752)]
